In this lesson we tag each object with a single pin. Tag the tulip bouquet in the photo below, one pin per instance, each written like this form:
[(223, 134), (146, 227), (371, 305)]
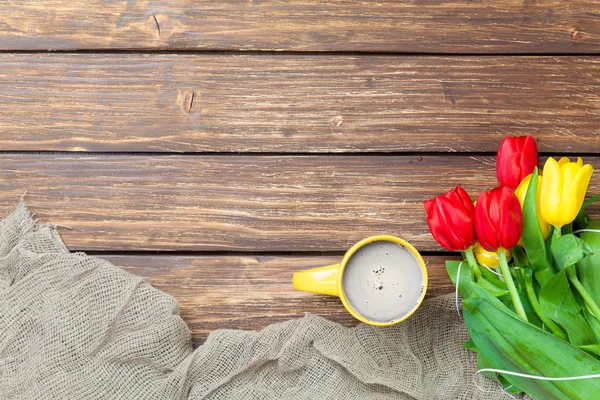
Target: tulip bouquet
[(530, 279)]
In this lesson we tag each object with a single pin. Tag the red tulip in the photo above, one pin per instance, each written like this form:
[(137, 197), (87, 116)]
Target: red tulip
[(498, 219), (517, 158), (451, 219)]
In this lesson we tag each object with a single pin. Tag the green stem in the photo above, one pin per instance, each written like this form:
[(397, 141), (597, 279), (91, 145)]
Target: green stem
[(472, 263), (556, 330), (510, 284), (556, 233), (587, 298)]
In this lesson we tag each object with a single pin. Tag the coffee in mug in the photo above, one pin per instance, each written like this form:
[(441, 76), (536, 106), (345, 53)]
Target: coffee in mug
[(381, 280)]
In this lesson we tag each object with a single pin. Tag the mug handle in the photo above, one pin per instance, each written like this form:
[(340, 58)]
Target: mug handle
[(323, 280)]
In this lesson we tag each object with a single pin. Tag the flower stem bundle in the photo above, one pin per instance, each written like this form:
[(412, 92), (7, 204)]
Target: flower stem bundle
[(541, 315)]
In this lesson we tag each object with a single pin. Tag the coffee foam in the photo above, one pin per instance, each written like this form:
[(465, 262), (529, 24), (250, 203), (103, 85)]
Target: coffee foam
[(383, 281)]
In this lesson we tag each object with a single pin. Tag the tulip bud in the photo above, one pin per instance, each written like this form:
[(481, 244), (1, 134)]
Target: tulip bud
[(488, 258), (451, 219), (563, 190), (498, 219), (517, 158)]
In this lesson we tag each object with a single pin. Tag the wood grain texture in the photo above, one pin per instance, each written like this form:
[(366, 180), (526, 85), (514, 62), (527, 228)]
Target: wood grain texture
[(291, 103), (237, 292), (548, 26), (238, 203)]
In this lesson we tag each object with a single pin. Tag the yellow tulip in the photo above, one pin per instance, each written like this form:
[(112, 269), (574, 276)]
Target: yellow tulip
[(563, 190), (522, 191), (488, 258)]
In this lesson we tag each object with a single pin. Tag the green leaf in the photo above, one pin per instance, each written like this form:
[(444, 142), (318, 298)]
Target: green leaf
[(591, 348), (535, 247), (505, 302), (549, 257), (493, 278), (519, 257), (508, 386), (588, 267), (581, 220), (567, 250), (518, 278), (465, 278), (478, 292), (532, 316), (593, 224), (470, 345), (484, 363), (533, 299), (594, 324), (591, 201), (566, 229), (491, 288), (511, 344), (558, 303)]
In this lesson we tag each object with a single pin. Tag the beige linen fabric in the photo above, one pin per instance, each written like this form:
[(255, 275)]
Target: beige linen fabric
[(76, 327)]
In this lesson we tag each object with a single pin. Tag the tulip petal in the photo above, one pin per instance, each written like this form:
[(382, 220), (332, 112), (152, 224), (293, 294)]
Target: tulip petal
[(543, 224), (516, 158), (568, 172), (573, 201), (551, 192), (521, 190), (465, 200), (529, 156), (437, 223), (484, 225), (429, 204), (459, 226), (450, 218), (498, 219), (511, 226), (563, 161)]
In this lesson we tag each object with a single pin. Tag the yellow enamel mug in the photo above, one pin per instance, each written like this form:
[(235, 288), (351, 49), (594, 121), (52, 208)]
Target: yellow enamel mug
[(380, 270)]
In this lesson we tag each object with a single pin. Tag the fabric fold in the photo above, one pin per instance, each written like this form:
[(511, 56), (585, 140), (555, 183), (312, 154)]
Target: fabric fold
[(74, 326)]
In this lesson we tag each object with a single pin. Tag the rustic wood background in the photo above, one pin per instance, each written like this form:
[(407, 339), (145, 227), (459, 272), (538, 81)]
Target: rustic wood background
[(219, 146)]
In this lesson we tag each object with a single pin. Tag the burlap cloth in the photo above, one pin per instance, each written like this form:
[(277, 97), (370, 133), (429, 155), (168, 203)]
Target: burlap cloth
[(76, 327)]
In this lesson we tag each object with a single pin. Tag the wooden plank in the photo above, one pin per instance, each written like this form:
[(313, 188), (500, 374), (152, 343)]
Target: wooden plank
[(459, 26), (291, 103), (237, 203), (242, 292)]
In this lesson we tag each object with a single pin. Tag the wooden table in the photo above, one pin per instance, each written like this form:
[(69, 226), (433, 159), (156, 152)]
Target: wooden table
[(219, 146)]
